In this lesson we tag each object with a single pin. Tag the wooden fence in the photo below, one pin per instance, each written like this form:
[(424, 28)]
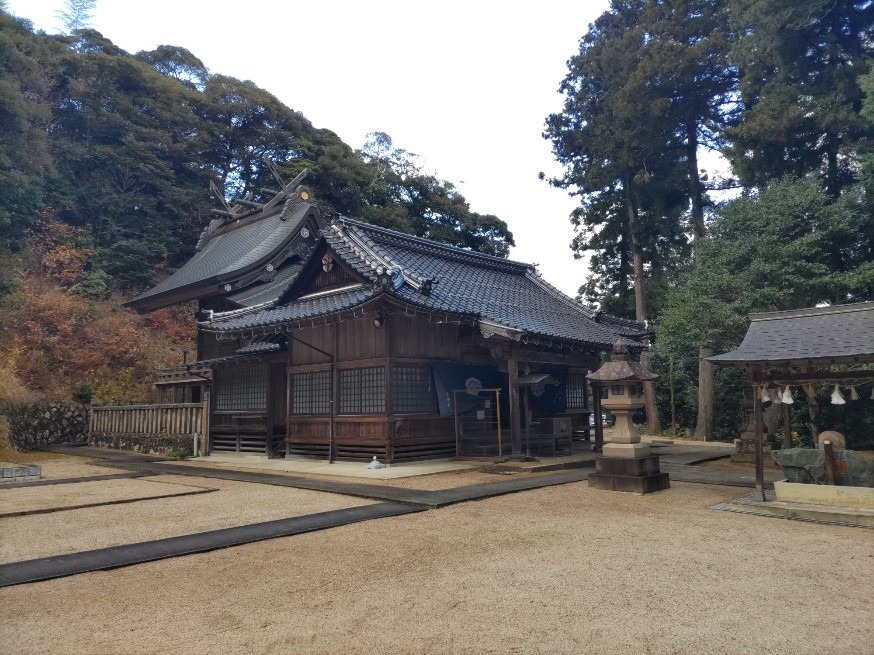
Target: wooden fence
[(156, 420)]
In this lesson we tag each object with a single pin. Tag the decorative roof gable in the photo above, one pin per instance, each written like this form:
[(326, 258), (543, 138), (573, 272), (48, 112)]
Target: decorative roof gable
[(250, 254)]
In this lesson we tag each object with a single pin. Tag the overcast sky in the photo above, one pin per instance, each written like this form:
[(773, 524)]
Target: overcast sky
[(466, 85)]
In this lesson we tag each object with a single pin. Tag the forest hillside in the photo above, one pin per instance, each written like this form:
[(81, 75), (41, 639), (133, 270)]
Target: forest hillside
[(105, 163)]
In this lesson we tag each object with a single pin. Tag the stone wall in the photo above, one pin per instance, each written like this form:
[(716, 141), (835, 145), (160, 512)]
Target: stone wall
[(31, 426), (146, 444)]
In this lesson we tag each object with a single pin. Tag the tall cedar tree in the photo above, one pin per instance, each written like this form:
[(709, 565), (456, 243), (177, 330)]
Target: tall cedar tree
[(800, 64), (649, 86)]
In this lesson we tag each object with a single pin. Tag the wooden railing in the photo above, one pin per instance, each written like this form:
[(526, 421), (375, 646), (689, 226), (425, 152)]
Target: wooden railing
[(175, 419)]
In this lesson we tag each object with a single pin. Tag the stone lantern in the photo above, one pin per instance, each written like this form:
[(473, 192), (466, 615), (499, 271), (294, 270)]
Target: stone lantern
[(626, 463)]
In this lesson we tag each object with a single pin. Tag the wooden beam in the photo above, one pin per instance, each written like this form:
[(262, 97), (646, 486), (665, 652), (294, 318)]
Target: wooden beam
[(220, 197)]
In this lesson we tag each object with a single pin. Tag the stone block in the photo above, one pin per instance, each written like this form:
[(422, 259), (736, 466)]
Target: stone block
[(627, 466), (807, 466), (627, 450), (630, 483)]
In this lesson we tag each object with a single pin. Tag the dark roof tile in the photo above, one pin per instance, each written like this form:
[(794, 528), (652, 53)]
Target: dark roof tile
[(464, 283), (841, 332)]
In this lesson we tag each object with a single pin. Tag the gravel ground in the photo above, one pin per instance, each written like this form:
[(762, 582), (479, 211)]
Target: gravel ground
[(56, 466), (235, 503), (58, 496), (558, 570)]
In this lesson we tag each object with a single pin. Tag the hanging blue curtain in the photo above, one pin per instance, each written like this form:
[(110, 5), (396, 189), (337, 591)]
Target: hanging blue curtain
[(450, 376)]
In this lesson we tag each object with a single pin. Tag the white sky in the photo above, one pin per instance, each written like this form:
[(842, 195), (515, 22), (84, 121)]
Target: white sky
[(466, 85)]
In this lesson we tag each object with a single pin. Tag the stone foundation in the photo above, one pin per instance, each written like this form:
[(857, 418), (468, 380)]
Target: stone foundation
[(638, 475), (146, 444), (19, 472), (745, 452), (831, 495)]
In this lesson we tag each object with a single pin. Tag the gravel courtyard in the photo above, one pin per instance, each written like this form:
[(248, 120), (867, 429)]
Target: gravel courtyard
[(557, 570)]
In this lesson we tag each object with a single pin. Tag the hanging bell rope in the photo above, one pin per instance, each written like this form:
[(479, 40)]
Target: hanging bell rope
[(787, 396), (777, 396), (837, 397), (854, 395)]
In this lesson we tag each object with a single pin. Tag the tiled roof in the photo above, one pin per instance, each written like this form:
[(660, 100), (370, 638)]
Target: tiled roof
[(821, 334), (230, 251), (297, 311), (444, 279), (262, 292)]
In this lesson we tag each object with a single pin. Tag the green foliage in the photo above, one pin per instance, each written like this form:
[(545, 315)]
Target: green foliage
[(647, 86), (94, 285), (727, 415), (82, 393), (800, 90), (124, 146), (180, 453), (790, 247), (76, 14)]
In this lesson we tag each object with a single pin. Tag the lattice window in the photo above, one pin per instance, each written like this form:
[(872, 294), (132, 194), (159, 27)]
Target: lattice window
[(362, 390), (311, 392), (241, 388), (413, 390), (576, 390)]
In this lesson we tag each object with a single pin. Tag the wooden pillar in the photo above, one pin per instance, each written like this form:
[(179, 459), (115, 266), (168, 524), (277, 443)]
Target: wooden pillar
[(268, 411), (598, 446), (787, 423), (335, 393), (757, 418), (527, 426), (515, 418), (390, 425)]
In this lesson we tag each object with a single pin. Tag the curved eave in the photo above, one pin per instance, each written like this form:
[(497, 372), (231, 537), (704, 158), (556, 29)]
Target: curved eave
[(738, 360), (383, 296)]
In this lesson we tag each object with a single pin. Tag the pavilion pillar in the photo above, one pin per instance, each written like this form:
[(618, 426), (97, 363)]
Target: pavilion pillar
[(759, 439), (787, 422)]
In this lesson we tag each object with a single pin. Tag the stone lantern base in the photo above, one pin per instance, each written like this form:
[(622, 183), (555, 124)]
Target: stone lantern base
[(629, 473)]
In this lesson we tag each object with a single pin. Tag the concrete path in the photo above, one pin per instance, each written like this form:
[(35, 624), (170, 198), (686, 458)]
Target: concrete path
[(420, 498), (84, 478)]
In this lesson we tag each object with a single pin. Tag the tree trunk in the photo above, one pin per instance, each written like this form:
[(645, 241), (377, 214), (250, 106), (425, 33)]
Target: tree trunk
[(673, 405), (653, 424), (697, 213), (704, 425)]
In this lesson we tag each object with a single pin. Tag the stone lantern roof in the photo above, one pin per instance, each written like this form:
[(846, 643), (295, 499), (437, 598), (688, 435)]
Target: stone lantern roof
[(621, 368)]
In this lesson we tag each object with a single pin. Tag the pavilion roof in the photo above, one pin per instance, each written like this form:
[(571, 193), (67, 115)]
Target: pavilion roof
[(840, 334)]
